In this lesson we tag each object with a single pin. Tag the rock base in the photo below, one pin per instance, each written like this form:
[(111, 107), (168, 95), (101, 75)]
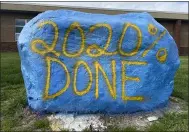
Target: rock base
[(99, 122)]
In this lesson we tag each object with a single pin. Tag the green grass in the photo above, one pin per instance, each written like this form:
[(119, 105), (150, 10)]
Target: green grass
[(41, 123), (171, 122), (13, 97), (181, 80), (13, 100), (117, 129)]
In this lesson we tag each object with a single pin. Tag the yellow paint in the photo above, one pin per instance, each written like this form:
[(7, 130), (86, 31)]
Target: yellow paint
[(153, 44), (100, 51), (47, 86), (161, 58), (152, 29), (127, 78), (86, 90), (47, 48), (112, 89), (92, 47), (139, 41), (100, 25), (73, 26)]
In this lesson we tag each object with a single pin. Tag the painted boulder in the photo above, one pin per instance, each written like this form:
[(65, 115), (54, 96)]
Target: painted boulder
[(86, 63)]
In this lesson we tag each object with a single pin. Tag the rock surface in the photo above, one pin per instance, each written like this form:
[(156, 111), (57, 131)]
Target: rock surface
[(152, 118), (87, 63)]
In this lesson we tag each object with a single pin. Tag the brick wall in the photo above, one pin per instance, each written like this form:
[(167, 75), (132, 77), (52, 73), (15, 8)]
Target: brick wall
[(7, 24), (8, 46)]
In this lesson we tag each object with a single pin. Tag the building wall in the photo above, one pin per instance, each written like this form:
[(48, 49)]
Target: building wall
[(8, 42), (169, 25), (184, 38)]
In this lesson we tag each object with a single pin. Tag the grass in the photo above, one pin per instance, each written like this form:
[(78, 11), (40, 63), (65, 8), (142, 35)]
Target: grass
[(13, 98), (41, 123), (181, 80), (14, 115), (116, 129), (171, 122)]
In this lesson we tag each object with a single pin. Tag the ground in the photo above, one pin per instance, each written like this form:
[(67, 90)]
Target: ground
[(15, 115)]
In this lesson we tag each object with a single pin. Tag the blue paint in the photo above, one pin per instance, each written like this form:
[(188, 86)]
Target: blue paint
[(156, 79)]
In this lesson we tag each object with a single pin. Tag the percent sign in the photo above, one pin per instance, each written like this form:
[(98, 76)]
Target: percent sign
[(161, 54)]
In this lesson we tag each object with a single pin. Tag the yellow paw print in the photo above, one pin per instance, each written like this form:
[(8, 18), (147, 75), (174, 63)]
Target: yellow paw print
[(152, 29)]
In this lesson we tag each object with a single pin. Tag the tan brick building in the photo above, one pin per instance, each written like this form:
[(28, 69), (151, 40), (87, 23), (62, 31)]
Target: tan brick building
[(15, 16)]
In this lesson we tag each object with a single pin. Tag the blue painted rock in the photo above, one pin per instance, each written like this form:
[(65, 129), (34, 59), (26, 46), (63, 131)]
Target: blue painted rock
[(80, 62)]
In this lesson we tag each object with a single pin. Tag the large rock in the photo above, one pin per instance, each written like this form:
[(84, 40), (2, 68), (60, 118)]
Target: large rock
[(81, 62)]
